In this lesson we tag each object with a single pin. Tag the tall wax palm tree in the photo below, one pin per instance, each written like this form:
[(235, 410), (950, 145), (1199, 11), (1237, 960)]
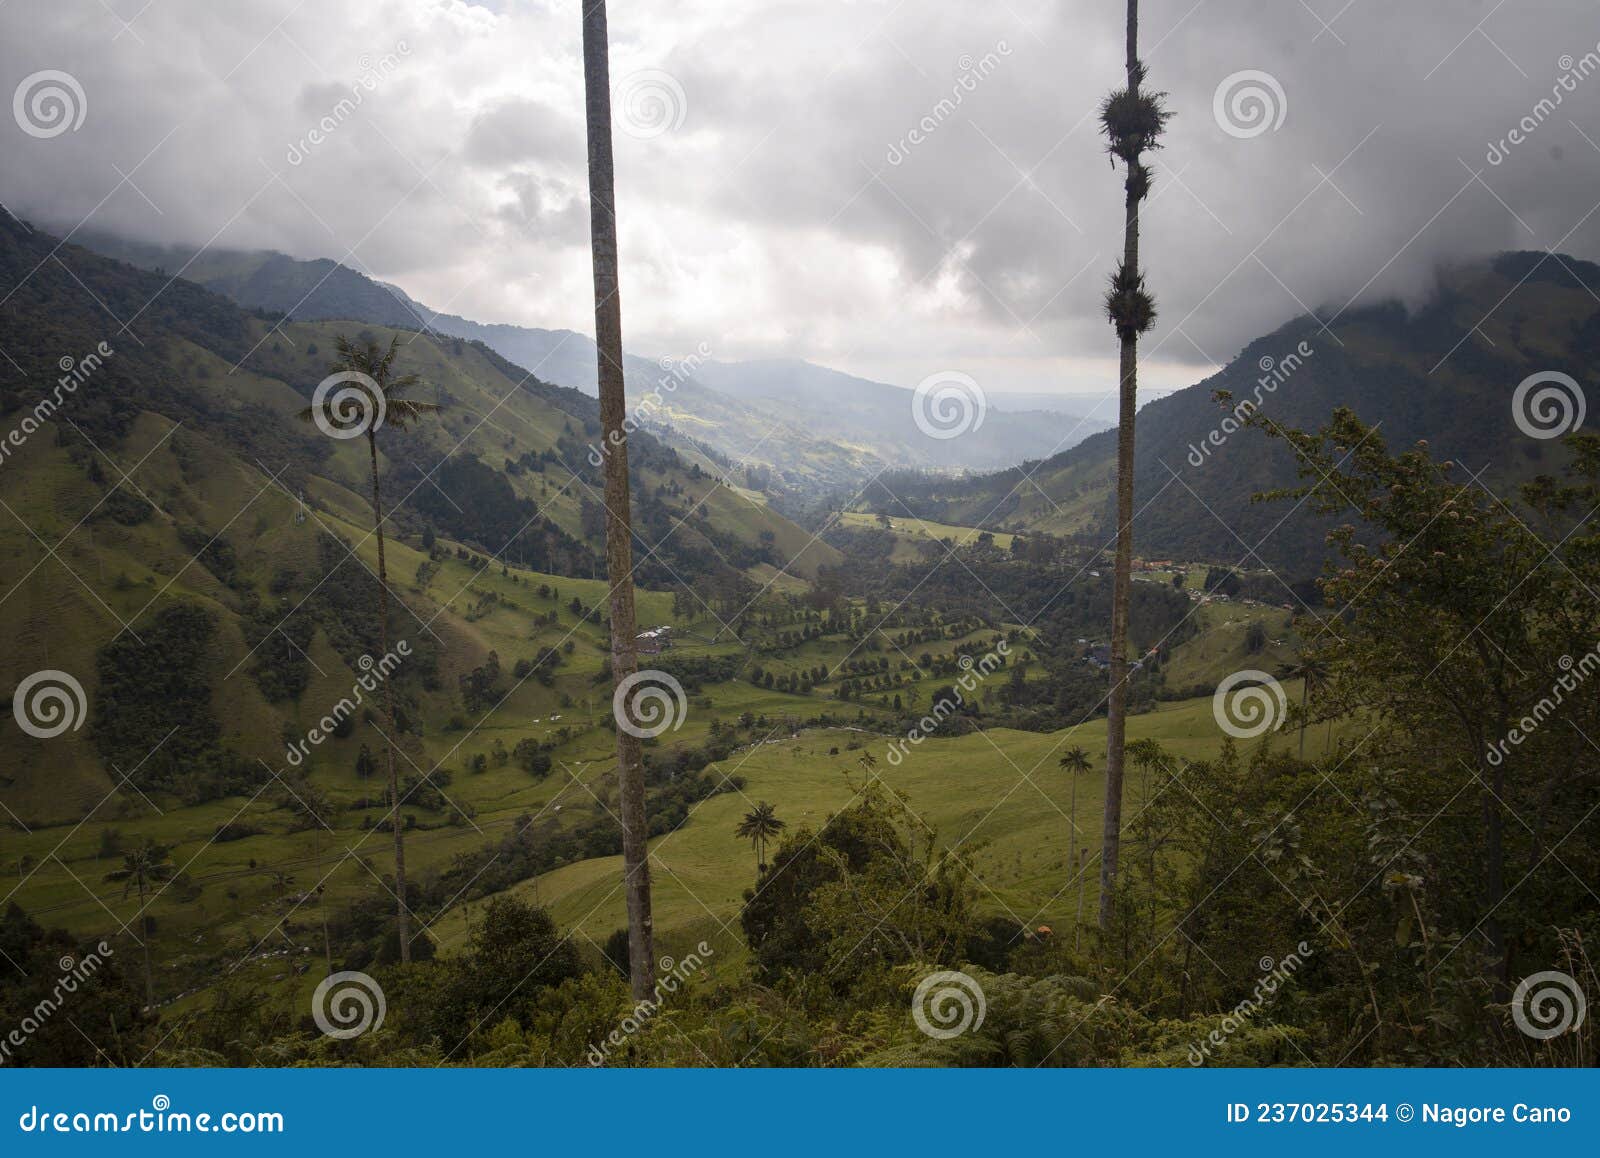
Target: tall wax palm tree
[(1132, 120), (140, 869), (760, 825), (384, 405), (312, 803), (1312, 674), (1146, 754), (1076, 762), (619, 523)]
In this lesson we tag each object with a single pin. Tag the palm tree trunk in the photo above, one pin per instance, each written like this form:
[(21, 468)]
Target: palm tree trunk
[(144, 927), (1122, 573), (402, 916), (619, 523), (1305, 694), (1075, 858)]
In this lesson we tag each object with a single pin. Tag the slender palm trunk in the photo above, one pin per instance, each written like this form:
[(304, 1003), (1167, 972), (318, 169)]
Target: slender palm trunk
[(1075, 858), (1305, 695), (144, 927), (1122, 573), (402, 915), (619, 528)]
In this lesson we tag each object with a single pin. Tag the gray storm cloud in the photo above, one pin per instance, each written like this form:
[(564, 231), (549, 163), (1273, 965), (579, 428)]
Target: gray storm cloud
[(895, 189)]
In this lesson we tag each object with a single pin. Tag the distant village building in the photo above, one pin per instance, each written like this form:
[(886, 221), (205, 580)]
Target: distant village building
[(654, 641)]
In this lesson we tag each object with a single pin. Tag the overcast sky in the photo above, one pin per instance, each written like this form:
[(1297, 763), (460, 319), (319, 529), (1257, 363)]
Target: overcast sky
[(774, 200)]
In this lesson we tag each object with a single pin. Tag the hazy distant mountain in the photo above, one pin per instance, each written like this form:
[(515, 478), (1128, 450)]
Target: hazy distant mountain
[(804, 429), (1445, 373)]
